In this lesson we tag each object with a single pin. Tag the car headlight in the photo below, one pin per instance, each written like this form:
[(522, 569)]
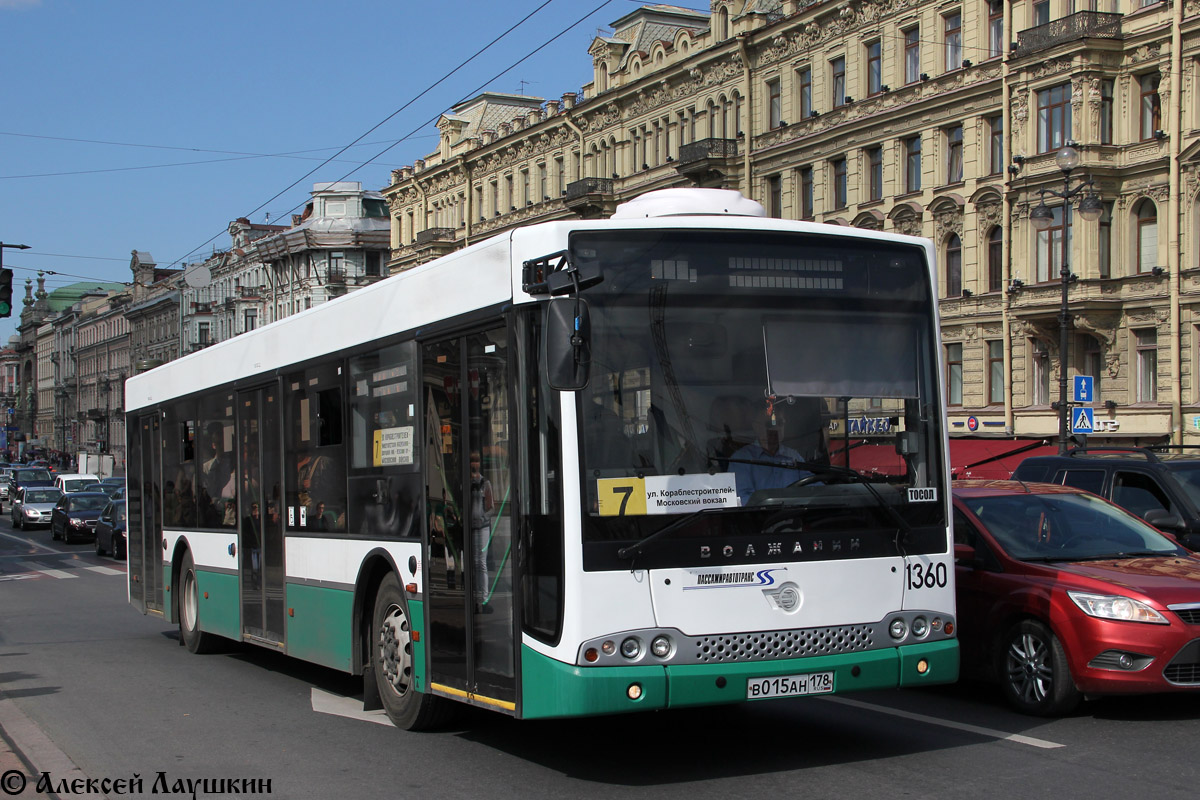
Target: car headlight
[(1115, 606), (77, 522), (31, 512)]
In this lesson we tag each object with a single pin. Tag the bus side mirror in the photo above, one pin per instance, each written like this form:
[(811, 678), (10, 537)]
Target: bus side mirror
[(568, 343)]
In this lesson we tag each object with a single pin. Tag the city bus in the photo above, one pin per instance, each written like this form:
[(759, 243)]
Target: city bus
[(685, 455)]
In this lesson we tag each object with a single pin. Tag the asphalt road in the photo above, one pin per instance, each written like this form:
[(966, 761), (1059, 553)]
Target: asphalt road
[(114, 693)]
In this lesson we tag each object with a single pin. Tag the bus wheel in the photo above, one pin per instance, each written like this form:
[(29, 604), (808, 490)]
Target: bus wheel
[(1034, 671), (392, 662), (196, 640)]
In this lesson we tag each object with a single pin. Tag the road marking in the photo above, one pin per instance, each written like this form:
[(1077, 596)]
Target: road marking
[(30, 542), (945, 723), (328, 703), (106, 570), (58, 573)]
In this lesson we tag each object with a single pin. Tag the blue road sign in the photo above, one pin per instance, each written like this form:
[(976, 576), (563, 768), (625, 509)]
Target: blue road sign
[(1083, 389), (1083, 421)]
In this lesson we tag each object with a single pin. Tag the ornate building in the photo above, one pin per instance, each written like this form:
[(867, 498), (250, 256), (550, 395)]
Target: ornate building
[(935, 119)]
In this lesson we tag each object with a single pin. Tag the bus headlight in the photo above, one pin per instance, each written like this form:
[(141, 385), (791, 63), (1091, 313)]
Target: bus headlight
[(920, 627), (631, 648), (898, 628), (661, 646)]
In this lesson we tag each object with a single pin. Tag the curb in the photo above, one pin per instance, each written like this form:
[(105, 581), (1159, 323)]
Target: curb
[(26, 752)]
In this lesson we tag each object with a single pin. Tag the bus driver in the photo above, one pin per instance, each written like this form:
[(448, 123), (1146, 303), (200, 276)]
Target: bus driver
[(754, 465)]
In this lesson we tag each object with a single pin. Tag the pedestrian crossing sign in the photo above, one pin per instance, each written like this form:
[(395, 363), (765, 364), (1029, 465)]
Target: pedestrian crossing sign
[(1083, 421)]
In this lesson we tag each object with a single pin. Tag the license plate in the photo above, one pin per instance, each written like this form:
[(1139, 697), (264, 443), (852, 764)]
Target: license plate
[(789, 685)]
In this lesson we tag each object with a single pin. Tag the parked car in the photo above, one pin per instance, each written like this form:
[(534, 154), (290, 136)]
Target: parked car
[(32, 506), (1162, 486), (28, 476), (1062, 594), (5, 473), (111, 486), (110, 530), (75, 514), (76, 481)]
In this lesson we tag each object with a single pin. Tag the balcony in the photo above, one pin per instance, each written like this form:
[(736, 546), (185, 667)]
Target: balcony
[(434, 236), (706, 162), (1080, 25), (335, 276), (591, 198)]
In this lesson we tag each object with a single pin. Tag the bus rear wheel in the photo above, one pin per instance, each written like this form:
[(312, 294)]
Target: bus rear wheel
[(392, 663), (196, 640)]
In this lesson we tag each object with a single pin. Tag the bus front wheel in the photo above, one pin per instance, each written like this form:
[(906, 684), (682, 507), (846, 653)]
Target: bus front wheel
[(392, 662), (196, 640)]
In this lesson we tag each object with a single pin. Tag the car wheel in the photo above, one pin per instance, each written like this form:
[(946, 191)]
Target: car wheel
[(1034, 671), (99, 547), (392, 663), (118, 547), (196, 640), (16, 522)]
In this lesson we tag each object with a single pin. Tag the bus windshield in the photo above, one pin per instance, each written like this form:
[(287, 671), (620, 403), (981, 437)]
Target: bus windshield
[(775, 373)]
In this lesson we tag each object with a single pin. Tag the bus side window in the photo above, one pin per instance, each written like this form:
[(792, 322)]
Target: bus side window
[(385, 488)]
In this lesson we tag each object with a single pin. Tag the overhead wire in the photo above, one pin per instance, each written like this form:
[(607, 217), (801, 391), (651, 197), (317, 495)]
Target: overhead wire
[(375, 127)]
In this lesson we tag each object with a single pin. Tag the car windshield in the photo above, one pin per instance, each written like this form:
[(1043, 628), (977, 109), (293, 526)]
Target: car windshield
[(89, 503), (26, 475), (42, 497), (1188, 474), (1067, 527), (77, 484)]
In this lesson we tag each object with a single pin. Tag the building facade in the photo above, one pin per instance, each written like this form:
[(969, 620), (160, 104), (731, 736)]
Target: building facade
[(934, 119)]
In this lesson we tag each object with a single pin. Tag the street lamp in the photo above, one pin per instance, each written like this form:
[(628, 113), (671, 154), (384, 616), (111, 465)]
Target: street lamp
[(1090, 208)]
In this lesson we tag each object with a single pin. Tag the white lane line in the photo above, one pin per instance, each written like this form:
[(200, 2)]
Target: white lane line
[(327, 703), (106, 570), (58, 573), (945, 723), (29, 542)]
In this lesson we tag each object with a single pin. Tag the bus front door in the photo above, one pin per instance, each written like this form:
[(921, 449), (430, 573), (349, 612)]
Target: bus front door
[(468, 538)]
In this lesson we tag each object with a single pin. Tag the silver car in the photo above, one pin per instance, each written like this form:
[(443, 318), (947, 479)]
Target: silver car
[(34, 505)]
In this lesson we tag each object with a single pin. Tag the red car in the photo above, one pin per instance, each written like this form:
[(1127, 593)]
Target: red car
[(1062, 594)]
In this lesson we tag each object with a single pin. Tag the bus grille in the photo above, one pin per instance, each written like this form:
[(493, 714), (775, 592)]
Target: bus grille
[(784, 644)]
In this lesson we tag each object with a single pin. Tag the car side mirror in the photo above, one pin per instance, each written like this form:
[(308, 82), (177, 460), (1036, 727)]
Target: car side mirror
[(965, 554), (1163, 519)]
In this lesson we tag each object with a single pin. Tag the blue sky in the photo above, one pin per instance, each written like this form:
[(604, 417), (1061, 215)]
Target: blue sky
[(151, 125)]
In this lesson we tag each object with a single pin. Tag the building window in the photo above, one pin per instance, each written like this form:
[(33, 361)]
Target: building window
[(806, 193), (1104, 230), (953, 40), (912, 55), (775, 196), (804, 82), (1054, 117), (1106, 112), (995, 145), (1041, 373), (875, 173), (1146, 341), (840, 189), (912, 164), (250, 319), (1150, 105), (954, 154), (996, 259), (953, 266), (995, 354), (954, 376), (837, 74), (1041, 12), (774, 105), (1147, 236), (874, 67), (995, 28), (1050, 245)]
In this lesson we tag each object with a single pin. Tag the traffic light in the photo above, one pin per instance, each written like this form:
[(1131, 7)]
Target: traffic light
[(6, 276)]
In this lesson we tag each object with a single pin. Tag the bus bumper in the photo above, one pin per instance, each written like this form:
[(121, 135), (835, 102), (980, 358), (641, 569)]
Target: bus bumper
[(553, 689)]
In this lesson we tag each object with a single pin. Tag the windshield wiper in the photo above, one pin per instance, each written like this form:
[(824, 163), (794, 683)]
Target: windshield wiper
[(638, 547), (903, 528), (1120, 555)]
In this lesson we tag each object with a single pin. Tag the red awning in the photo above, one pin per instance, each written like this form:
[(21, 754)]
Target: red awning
[(877, 459), (994, 459)]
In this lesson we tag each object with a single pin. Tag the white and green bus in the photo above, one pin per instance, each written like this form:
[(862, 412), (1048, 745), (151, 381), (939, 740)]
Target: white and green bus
[(686, 455)]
